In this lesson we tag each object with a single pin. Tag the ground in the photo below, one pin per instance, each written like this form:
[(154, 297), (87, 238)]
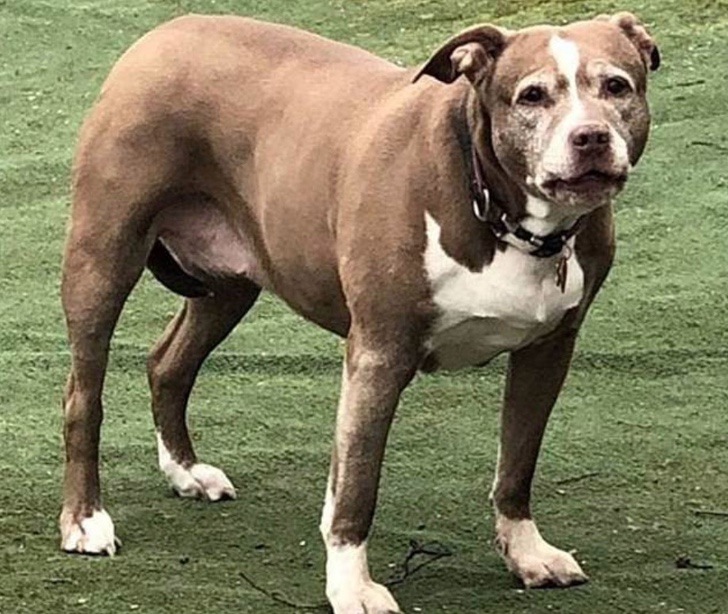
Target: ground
[(638, 443)]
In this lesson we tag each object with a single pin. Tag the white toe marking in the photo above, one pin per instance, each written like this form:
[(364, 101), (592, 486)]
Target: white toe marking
[(215, 484), (94, 535), (199, 481), (346, 569), (349, 586), (532, 558)]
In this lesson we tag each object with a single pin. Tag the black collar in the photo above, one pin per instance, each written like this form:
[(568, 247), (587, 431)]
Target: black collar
[(491, 213)]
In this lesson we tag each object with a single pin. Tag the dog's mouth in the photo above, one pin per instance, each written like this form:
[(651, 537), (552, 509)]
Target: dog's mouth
[(590, 182)]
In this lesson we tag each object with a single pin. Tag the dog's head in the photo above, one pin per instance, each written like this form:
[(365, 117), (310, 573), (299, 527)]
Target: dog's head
[(566, 106)]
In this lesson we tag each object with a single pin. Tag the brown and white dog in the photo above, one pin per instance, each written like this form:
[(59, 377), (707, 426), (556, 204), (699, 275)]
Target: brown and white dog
[(434, 221)]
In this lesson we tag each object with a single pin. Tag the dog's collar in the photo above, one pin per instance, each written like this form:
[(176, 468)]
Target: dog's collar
[(489, 212)]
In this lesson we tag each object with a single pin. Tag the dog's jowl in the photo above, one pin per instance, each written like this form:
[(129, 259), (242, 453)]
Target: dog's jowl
[(434, 217)]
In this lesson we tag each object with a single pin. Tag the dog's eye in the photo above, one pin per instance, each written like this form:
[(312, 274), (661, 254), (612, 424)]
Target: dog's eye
[(532, 95), (617, 86)]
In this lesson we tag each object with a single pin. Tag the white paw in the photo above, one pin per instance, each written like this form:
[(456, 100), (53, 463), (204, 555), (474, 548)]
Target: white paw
[(91, 535), (349, 587), (365, 598), (199, 481), (536, 562)]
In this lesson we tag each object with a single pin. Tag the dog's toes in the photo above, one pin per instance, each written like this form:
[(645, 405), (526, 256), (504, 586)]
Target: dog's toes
[(88, 535), (367, 598), (536, 562), (200, 481), (557, 569), (213, 482)]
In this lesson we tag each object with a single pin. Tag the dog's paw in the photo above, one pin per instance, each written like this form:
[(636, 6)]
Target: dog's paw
[(366, 598), (200, 481), (548, 566), (536, 562), (88, 535)]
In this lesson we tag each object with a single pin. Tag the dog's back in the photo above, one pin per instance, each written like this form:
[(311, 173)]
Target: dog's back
[(205, 112)]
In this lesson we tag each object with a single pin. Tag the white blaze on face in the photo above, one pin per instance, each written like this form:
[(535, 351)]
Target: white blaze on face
[(567, 57), (557, 157)]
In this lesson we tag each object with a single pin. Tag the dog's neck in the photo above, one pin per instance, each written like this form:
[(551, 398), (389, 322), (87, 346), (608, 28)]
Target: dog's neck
[(471, 241), (504, 192), (543, 218)]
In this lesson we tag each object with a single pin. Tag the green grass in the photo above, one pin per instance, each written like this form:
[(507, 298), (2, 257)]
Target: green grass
[(644, 408)]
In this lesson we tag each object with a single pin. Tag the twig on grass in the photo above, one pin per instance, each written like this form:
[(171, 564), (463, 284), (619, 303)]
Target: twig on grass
[(636, 425), (711, 513), (577, 478), (687, 83), (709, 144), (685, 562), (433, 550), (278, 598), (58, 581)]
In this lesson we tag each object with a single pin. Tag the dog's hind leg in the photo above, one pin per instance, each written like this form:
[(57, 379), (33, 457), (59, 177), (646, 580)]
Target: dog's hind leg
[(102, 263), (172, 367), (128, 163)]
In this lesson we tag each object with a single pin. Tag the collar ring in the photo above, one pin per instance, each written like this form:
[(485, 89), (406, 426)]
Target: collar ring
[(481, 206)]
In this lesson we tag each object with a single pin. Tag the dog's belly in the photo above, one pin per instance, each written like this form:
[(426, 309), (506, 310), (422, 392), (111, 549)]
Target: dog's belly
[(507, 305), (477, 340)]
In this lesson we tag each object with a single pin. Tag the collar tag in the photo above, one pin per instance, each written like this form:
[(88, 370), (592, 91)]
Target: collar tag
[(562, 271)]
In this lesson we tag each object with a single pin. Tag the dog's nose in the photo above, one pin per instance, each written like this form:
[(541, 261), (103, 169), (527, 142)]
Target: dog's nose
[(593, 137)]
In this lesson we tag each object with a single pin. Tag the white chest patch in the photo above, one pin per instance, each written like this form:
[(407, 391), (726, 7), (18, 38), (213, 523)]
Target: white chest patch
[(508, 304)]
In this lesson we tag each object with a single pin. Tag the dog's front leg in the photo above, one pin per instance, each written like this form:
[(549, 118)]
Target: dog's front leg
[(535, 377), (372, 382)]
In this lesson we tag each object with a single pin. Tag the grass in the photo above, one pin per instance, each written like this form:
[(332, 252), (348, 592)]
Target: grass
[(644, 409)]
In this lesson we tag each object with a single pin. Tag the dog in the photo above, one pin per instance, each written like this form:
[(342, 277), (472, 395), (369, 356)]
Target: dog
[(433, 217)]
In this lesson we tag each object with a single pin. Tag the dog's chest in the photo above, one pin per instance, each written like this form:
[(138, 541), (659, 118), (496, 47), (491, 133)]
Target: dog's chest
[(508, 304)]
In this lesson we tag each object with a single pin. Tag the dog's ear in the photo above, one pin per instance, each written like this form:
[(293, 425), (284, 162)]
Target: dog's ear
[(637, 33), (471, 53)]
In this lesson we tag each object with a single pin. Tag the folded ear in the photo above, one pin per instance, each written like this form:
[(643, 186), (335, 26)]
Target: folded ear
[(471, 53), (637, 33)]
